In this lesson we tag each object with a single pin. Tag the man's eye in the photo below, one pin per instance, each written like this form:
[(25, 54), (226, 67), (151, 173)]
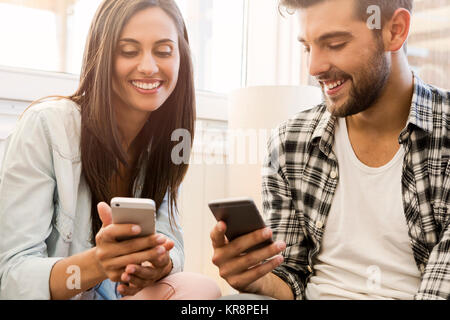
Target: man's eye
[(337, 46)]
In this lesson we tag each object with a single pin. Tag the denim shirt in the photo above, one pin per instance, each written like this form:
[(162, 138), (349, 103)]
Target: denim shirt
[(45, 202)]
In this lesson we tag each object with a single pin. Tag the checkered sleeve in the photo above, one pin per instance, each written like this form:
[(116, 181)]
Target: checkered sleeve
[(435, 283), (280, 213)]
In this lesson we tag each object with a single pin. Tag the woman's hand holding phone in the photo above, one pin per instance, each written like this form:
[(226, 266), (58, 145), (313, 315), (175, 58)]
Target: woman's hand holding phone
[(246, 272), (137, 262), (136, 277)]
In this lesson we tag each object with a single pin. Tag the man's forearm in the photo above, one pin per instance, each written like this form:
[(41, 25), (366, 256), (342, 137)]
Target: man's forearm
[(273, 286)]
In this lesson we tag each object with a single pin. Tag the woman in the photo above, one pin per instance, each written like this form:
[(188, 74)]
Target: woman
[(69, 157)]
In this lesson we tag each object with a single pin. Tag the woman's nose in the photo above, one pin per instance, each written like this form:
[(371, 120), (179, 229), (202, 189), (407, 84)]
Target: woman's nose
[(148, 65)]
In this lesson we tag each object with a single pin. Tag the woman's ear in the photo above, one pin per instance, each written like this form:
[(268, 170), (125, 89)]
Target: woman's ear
[(396, 31)]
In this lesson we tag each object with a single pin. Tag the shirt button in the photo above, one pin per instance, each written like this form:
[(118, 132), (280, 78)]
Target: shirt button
[(310, 269), (333, 174), (422, 268), (319, 224)]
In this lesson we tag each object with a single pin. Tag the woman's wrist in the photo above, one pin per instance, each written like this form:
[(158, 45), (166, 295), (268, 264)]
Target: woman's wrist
[(98, 269), (86, 275)]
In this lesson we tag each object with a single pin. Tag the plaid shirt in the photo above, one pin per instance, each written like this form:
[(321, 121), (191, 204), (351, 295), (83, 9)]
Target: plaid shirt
[(301, 173)]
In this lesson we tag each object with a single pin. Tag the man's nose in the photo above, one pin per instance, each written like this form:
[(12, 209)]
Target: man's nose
[(318, 63)]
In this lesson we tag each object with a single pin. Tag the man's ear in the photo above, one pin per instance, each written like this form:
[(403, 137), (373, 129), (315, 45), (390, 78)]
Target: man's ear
[(396, 31)]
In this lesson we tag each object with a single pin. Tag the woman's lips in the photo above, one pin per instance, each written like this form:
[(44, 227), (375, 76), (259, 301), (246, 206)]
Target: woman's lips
[(147, 87)]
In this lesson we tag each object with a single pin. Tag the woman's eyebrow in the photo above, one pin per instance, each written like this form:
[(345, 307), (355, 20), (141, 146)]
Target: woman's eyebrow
[(137, 42)]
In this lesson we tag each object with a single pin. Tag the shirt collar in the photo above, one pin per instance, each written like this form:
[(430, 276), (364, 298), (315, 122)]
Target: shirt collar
[(421, 114), (324, 131)]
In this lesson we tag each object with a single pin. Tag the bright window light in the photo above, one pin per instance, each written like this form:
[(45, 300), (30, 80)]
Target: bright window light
[(51, 35)]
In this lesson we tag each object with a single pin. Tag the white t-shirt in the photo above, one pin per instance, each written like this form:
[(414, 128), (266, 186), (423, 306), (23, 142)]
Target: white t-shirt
[(365, 251)]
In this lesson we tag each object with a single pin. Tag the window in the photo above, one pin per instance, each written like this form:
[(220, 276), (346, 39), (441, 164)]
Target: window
[(216, 31), (50, 35), (429, 41), (45, 35)]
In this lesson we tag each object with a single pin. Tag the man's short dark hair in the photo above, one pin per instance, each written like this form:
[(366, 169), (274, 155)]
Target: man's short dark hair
[(387, 7)]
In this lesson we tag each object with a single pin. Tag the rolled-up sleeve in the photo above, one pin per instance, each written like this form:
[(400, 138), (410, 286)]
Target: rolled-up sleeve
[(27, 186), (172, 231), (435, 283), (281, 216)]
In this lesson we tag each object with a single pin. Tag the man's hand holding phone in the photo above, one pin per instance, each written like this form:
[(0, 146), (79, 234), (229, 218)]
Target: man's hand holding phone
[(137, 262), (246, 272)]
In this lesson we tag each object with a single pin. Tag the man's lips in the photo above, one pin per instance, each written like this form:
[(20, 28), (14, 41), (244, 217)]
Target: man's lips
[(332, 87)]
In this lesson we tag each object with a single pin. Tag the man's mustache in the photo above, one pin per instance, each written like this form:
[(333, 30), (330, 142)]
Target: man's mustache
[(332, 76)]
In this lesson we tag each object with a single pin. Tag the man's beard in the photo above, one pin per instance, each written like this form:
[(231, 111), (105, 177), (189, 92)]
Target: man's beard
[(368, 87)]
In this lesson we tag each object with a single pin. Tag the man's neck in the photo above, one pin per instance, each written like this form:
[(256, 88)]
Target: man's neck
[(388, 116)]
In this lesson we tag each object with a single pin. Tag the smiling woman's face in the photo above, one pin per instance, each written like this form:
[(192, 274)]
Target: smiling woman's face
[(147, 62)]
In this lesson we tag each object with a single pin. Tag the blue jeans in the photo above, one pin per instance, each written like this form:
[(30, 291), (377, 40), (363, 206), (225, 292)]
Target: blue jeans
[(106, 290)]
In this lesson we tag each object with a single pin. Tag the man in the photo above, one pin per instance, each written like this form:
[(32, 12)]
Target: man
[(357, 190)]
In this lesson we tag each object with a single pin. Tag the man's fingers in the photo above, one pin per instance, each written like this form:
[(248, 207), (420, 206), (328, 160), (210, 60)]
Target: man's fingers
[(240, 245), (249, 240), (243, 263), (218, 235), (243, 280)]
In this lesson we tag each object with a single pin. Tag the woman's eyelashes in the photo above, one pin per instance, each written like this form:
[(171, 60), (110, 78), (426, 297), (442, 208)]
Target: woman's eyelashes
[(164, 53), (160, 52), (164, 50), (129, 54)]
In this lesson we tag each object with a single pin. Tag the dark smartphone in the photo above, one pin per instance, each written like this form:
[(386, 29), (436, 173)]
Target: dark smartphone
[(241, 216)]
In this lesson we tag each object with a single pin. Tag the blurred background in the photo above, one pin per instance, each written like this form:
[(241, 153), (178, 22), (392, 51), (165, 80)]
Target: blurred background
[(237, 46)]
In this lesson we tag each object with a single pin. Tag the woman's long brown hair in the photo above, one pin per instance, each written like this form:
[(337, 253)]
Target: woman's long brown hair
[(101, 147)]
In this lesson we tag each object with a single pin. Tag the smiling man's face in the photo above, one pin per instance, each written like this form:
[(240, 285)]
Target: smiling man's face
[(344, 56)]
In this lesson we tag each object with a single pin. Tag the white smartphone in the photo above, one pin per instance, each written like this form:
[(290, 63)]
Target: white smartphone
[(241, 216), (141, 212)]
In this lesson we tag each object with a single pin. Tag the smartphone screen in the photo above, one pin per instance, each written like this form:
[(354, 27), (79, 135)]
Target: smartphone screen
[(241, 217)]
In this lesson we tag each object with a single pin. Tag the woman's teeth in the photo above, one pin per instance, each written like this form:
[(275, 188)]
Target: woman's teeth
[(333, 85), (146, 86)]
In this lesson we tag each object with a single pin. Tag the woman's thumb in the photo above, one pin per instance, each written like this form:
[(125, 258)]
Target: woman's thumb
[(104, 212)]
